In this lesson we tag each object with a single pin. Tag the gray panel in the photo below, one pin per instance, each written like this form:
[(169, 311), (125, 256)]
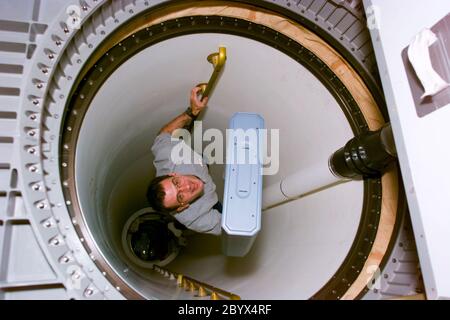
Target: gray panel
[(316, 6), (366, 49), (304, 4), (354, 31), (336, 17), (17, 10), (361, 39), (326, 11), (26, 261), (345, 23), (401, 276), (38, 293)]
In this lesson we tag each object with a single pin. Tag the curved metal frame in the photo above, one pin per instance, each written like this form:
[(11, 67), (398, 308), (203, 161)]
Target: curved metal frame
[(105, 66)]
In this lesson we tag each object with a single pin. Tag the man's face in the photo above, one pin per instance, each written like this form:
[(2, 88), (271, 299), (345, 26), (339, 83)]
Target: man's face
[(181, 190)]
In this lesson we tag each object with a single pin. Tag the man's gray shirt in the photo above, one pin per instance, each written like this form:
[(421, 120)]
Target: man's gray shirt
[(200, 215)]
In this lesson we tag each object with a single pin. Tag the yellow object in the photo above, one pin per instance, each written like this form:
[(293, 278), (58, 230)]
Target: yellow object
[(202, 292), (214, 296), (180, 280), (217, 59)]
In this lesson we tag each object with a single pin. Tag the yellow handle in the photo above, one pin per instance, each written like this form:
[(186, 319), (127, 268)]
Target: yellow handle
[(217, 59)]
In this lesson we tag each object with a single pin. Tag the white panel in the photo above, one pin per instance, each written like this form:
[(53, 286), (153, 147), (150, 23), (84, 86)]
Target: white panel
[(422, 143), (26, 261)]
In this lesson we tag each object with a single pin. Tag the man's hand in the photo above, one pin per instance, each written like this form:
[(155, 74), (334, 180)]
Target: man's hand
[(197, 105), (184, 120)]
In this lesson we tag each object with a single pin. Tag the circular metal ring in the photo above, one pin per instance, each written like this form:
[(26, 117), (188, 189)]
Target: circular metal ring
[(92, 80)]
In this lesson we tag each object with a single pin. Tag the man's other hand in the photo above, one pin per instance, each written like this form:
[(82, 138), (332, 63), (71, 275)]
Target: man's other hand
[(197, 105)]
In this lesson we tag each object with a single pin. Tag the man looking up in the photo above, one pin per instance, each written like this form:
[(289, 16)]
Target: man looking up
[(186, 191)]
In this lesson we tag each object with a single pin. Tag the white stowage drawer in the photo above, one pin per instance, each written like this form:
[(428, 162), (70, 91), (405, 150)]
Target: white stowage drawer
[(241, 217)]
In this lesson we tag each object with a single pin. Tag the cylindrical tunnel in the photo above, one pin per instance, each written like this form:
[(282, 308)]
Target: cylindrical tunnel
[(139, 78)]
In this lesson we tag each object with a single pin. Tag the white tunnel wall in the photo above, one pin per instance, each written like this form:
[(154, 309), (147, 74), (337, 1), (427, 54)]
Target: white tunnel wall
[(307, 239)]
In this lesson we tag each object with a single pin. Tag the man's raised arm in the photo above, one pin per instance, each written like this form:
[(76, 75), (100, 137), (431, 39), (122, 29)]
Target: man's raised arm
[(185, 119)]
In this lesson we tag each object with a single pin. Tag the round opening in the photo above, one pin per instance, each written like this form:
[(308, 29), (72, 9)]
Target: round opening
[(114, 161), (147, 239), (129, 94)]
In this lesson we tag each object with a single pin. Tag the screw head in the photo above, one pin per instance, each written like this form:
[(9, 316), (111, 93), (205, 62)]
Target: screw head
[(88, 292), (64, 259)]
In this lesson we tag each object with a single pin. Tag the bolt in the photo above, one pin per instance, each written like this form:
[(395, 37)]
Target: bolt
[(64, 259), (33, 117), (33, 169), (35, 102), (36, 187)]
